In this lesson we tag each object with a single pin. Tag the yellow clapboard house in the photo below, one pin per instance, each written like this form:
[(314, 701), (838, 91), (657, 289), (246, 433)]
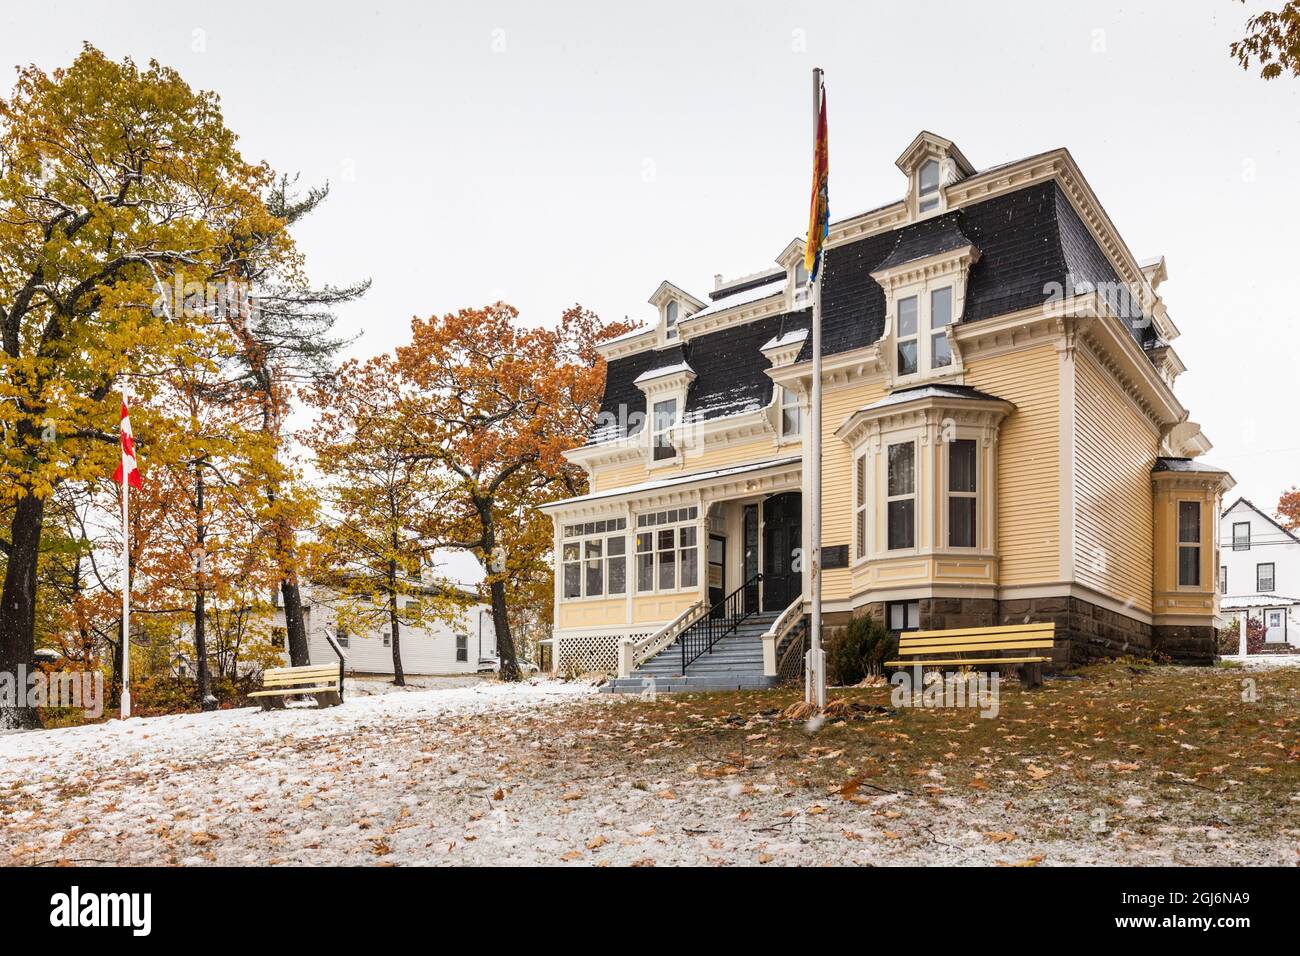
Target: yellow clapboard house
[(1002, 443)]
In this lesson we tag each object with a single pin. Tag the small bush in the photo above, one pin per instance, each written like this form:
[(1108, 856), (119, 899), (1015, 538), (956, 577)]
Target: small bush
[(858, 651)]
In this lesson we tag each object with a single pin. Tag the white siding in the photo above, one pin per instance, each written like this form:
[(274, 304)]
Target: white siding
[(429, 650), (1268, 545)]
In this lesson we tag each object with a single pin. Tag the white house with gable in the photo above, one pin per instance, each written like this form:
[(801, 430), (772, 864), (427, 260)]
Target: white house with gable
[(1259, 574)]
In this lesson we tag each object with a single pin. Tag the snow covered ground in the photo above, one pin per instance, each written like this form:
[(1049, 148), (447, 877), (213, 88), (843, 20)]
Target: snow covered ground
[(544, 773)]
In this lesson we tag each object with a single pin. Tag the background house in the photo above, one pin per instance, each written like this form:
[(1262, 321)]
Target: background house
[(1259, 574)]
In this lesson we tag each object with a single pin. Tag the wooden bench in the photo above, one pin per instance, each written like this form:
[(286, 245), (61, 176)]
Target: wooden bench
[(938, 648), (323, 681)]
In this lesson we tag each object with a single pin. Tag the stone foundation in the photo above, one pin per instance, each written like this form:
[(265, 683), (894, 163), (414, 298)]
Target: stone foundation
[(1084, 632)]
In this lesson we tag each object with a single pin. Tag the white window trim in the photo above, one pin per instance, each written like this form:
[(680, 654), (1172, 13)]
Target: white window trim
[(924, 335), (678, 549), (913, 496), (1272, 580), (797, 404), (581, 541), (861, 507), (939, 195)]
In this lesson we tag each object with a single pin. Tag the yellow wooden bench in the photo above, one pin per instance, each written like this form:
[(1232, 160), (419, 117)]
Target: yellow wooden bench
[(939, 648), (323, 681)]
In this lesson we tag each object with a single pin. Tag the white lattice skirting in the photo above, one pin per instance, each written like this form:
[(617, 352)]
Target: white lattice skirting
[(590, 653)]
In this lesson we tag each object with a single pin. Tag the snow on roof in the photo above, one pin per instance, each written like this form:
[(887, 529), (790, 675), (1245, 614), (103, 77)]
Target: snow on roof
[(652, 373), (1240, 601), (790, 338), (746, 297), (931, 391), (675, 481)]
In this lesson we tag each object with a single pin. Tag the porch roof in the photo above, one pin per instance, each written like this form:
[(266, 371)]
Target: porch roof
[(677, 482), (1239, 602)]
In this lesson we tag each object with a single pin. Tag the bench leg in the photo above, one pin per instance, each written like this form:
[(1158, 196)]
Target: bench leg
[(1031, 675), (329, 698)]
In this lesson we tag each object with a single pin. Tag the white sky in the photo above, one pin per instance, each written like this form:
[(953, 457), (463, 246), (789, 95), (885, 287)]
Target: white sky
[(548, 153)]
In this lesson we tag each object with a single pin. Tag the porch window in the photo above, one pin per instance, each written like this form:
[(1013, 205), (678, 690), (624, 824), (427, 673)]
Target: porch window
[(1189, 544), (962, 464), (901, 500), (1264, 577), (667, 558), (791, 413), (596, 563), (665, 415)]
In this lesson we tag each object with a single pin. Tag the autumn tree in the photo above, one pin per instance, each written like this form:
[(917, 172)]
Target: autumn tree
[(1288, 509), (495, 405), (1273, 41), (380, 493), (112, 179)]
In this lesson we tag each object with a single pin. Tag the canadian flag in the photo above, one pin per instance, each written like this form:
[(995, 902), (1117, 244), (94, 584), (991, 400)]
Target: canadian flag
[(128, 462)]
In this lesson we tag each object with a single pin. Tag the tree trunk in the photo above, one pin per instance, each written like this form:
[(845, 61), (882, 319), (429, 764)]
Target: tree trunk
[(399, 679), (18, 606), (501, 624), (206, 700), (295, 628)]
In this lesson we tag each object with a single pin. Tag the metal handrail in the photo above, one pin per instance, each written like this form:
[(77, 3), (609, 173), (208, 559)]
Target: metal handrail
[(701, 636), (343, 659)]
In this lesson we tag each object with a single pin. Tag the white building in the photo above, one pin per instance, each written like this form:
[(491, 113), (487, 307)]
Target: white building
[(465, 646), (1259, 574)]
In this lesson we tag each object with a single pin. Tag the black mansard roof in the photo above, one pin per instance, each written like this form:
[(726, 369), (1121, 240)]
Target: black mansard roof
[(1032, 245)]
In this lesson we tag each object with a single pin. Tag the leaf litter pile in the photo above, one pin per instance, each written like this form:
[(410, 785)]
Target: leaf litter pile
[(1122, 764)]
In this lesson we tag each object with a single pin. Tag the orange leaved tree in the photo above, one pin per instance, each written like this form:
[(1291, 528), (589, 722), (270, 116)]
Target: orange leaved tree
[(494, 405)]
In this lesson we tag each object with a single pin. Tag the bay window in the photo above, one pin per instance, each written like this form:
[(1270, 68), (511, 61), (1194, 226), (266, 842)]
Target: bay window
[(860, 506), (963, 462), (1189, 544), (901, 496)]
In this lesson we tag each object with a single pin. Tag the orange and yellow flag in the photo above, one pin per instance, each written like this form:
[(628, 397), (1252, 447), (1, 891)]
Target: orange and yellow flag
[(819, 212)]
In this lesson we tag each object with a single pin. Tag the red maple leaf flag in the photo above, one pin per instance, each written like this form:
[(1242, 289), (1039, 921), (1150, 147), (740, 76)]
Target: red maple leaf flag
[(128, 462)]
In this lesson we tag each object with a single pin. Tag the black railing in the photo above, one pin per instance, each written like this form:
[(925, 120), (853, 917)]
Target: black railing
[(723, 618)]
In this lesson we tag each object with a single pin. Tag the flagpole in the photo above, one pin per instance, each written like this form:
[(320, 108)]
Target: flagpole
[(126, 573), (815, 686)]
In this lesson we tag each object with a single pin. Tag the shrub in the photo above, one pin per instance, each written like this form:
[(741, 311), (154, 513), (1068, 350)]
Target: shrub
[(858, 651)]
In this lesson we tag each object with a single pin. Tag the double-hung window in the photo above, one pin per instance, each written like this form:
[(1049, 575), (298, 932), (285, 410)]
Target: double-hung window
[(791, 413), (670, 320), (962, 508), (922, 331), (1241, 536), (594, 559), (462, 648), (1189, 544), (1223, 579), (900, 508), (1265, 580), (665, 416)]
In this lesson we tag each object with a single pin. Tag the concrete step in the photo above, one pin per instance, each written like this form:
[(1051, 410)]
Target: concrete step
[(633, 685)]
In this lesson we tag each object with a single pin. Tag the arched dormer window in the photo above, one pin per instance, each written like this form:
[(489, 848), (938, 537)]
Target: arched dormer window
[(670, 320)]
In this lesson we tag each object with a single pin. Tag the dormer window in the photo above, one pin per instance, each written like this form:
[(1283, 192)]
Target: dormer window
[(670, 320), (927, 186), (665, 416), (791, 413), (931, 312)]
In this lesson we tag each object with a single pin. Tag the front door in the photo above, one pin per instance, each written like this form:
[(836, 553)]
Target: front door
[(782, 547), (717, 572), (1275, 626)]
